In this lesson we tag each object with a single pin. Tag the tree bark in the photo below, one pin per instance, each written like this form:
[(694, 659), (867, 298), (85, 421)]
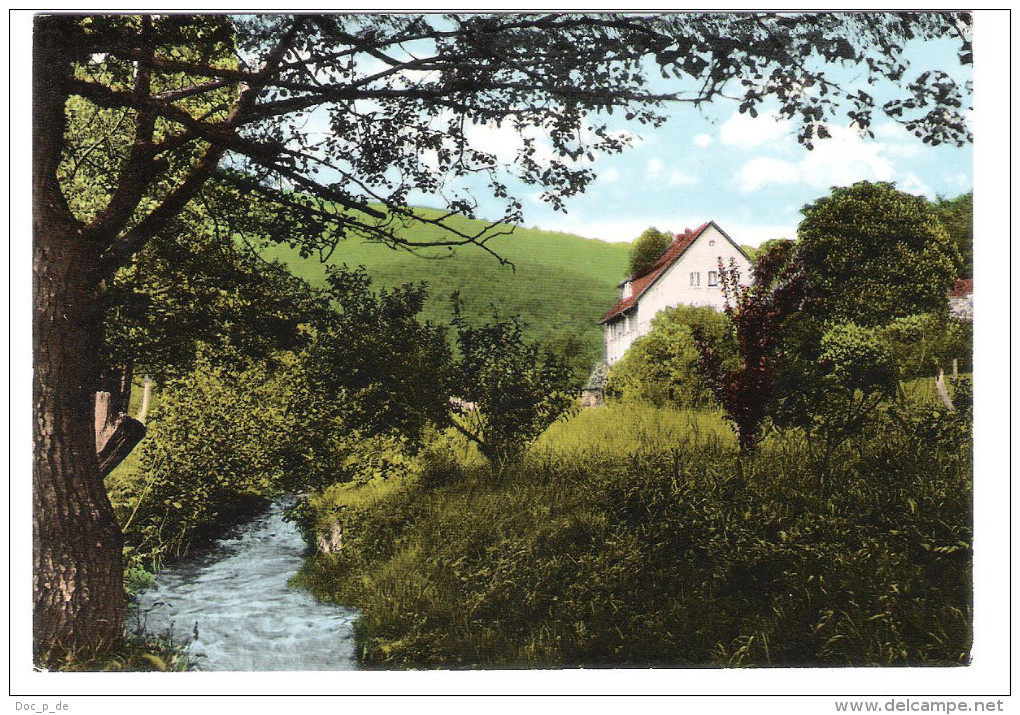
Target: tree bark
[(77, 578)]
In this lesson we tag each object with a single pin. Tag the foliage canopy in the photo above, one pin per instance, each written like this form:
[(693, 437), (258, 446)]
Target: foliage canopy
[(661, 368), (312, 129), (646, 249), (957, 217), (873, 253)]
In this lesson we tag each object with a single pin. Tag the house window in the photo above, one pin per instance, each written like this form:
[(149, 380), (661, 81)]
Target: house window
[(695, 279), (713, 278), (712, 242)]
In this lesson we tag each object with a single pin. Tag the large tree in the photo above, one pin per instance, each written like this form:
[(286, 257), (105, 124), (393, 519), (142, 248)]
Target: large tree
[(873, 253), (332, 122), (646, 249)]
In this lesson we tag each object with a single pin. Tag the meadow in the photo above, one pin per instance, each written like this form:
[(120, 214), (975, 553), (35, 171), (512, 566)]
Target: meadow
[(633, 536)]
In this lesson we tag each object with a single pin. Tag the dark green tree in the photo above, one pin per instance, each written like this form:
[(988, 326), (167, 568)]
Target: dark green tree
[(872, 253), (507, 391), (957, 217), (646, 248), (386, 370), (327, 123)]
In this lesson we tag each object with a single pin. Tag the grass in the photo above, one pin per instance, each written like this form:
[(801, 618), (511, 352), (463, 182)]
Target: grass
[(633, 428), (921, 391), (134, 653), (649, 550)]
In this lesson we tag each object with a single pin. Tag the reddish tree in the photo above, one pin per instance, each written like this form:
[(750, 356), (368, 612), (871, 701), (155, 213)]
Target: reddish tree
[(756, 312)]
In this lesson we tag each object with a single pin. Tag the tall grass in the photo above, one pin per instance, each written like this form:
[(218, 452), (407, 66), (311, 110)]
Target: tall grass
[(628, 539), (634, 427)]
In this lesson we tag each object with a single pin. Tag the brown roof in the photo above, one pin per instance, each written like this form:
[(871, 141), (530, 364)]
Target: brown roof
[(641, 281), (961, 287)]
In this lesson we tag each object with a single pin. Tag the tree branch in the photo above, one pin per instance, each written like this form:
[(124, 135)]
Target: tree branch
[(138, 170)]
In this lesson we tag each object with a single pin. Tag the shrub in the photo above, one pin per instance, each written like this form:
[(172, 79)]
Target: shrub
[(661, 367), (508, 391), (206, 456), (922, 344)]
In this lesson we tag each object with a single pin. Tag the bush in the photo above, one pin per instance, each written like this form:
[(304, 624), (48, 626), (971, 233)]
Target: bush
[(923, 344), (661, 367), (206, 457)]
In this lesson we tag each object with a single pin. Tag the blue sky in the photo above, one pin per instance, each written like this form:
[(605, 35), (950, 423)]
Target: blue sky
[(749, 175)]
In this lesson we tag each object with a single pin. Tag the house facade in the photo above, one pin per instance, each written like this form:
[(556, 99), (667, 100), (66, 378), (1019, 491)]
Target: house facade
[(687, 273)]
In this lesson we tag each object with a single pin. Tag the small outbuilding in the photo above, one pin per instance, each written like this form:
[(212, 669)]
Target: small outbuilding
[(961, 300)]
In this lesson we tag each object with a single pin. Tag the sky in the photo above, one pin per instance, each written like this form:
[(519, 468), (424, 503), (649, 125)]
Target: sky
[(749, 175)]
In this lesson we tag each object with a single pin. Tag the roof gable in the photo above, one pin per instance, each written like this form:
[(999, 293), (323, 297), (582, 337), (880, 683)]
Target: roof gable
[(641, 282), (961, 287)]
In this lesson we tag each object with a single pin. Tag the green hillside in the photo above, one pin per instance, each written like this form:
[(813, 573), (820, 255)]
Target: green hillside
[(559, 284)]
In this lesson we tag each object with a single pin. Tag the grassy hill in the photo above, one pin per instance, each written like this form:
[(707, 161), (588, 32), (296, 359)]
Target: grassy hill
[(559, 284)]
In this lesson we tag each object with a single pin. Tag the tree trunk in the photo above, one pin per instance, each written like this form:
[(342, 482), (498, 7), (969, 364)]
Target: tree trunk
[(116, 433), (77, 578)]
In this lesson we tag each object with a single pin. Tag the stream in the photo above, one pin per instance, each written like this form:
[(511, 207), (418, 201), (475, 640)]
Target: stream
[(234, 596)]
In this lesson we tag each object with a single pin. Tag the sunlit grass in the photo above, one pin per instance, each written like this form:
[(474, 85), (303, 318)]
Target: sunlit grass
[(627, 537)]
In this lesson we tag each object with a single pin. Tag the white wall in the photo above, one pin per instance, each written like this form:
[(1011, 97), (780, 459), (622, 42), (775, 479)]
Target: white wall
[(618, 334), (674, 286)]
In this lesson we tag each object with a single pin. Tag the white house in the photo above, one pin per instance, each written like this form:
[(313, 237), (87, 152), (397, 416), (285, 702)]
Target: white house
[(687, 273)]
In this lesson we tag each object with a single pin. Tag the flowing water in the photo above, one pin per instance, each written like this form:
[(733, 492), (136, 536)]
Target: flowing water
[(234, 595)]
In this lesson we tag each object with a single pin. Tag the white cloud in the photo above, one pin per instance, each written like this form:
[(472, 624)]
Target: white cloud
[(655, 171), (504, 142), (654, 168), (765, 171), (741, 130), (702, 140), (609, 176), (913, 185), (680, 178), (897, 140), (842, 159)]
